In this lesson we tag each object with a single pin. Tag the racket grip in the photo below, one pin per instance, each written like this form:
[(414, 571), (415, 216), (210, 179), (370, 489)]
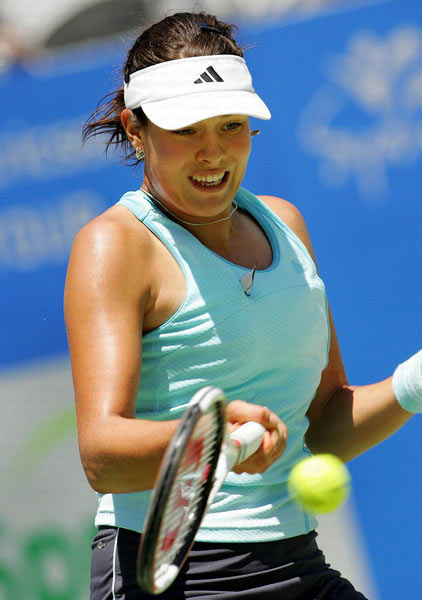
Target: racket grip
[(248, 439)]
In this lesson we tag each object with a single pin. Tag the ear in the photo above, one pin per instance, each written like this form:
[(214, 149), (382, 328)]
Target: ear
[(133, 132)]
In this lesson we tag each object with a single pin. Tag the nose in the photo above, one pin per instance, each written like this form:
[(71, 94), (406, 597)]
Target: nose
[(212, 150)]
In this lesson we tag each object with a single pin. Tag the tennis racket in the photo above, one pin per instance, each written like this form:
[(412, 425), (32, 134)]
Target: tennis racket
[(197, 460)]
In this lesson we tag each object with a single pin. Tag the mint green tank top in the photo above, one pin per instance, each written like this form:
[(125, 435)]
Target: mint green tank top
[(269, 348)]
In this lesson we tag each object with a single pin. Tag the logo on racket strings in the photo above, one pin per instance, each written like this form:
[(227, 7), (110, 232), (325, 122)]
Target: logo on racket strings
[(193, 453)]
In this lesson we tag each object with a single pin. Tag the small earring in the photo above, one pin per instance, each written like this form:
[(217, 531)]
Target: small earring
[(255, 132), (140, 153)]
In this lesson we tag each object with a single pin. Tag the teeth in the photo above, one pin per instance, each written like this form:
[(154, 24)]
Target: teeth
[(209, 179)]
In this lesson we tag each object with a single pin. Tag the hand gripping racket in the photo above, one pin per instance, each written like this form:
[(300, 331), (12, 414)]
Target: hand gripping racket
[(197, 460)]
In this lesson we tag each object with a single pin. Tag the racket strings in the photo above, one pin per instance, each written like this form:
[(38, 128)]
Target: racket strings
[(187, 492)]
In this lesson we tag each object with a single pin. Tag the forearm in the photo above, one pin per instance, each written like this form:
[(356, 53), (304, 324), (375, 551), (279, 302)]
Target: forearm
[(355, 419), (122, 455)]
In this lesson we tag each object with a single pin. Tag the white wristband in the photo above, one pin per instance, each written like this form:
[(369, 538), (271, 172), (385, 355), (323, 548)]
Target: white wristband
[(407, 383)]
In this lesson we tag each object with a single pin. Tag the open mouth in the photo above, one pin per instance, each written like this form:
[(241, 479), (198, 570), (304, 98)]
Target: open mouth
[(210, 182)]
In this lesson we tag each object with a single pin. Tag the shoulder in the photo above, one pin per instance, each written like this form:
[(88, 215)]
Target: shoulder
[(292, 217), (111, 256), (115, 235)]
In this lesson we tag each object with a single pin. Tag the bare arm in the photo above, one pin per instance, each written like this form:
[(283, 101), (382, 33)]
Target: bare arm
[(348, 420), (344, 419), (105, 301)]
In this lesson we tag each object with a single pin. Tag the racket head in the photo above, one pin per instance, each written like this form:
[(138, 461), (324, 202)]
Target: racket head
[(183, 484)]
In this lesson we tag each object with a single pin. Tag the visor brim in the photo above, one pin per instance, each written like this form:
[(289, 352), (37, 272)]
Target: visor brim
[(182, 111)]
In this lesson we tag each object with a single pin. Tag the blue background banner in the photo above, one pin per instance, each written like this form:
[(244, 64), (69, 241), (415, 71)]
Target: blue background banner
[(344, 145)]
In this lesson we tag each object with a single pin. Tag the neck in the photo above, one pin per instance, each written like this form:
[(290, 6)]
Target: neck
[(237, 238), (215, 229)]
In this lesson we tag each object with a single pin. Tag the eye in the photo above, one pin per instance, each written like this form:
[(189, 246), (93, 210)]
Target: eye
[(187, 131), (232, 126)]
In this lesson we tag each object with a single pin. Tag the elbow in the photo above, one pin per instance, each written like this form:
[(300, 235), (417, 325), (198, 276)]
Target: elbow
[(97, 476), (107, 476), (100, 467), (98, 462)]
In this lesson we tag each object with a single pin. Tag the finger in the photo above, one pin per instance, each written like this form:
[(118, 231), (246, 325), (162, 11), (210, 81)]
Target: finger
[(239, 411), (268, 418), (272, 447), (274, 442)]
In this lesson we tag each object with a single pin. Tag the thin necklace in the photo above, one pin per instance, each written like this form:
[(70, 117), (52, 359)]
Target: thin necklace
[(164, 207)]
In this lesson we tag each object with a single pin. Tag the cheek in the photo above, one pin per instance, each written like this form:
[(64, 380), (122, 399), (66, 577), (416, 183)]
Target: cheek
[(244, 144), (242, 148), (167, 151), (164, 160)]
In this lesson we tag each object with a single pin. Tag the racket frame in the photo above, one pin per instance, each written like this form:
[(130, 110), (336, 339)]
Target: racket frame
[(207, 400)]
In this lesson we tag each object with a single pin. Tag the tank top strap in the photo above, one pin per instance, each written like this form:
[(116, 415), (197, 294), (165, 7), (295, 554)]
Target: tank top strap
[(138, 203)]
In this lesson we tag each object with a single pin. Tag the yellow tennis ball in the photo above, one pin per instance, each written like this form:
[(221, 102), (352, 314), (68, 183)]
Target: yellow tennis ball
[(320, 483)]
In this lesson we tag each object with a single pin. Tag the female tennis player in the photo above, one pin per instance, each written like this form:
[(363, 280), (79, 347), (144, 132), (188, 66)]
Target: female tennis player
[(191, 281)]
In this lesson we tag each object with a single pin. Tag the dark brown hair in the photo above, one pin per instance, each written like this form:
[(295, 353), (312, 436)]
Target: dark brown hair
[(177, 36)]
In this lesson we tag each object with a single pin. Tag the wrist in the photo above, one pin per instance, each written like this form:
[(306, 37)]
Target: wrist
[(407, 383)]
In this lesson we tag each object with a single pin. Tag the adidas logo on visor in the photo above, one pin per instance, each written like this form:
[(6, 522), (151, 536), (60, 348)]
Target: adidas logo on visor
[(209, 76)]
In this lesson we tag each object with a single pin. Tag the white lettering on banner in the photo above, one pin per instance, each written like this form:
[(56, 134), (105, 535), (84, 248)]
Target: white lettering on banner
[(44, 152), (377, 86), (32, 236)]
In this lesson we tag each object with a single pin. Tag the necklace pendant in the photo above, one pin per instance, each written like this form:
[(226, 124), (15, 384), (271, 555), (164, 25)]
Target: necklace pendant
[(247, 281)]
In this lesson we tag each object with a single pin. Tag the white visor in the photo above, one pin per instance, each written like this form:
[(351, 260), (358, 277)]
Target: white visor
[(178, 93)]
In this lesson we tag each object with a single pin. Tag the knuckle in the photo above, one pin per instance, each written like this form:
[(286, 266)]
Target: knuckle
[(265, 414), (283, 431), (234, 405)]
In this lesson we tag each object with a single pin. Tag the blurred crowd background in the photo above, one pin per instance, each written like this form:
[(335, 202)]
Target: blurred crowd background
[(28, 28), (343, 80)]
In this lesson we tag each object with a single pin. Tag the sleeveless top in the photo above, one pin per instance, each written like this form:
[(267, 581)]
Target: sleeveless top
[(269, 348)]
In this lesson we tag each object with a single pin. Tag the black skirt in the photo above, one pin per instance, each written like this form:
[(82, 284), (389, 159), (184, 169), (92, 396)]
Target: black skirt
[(291, 569)]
